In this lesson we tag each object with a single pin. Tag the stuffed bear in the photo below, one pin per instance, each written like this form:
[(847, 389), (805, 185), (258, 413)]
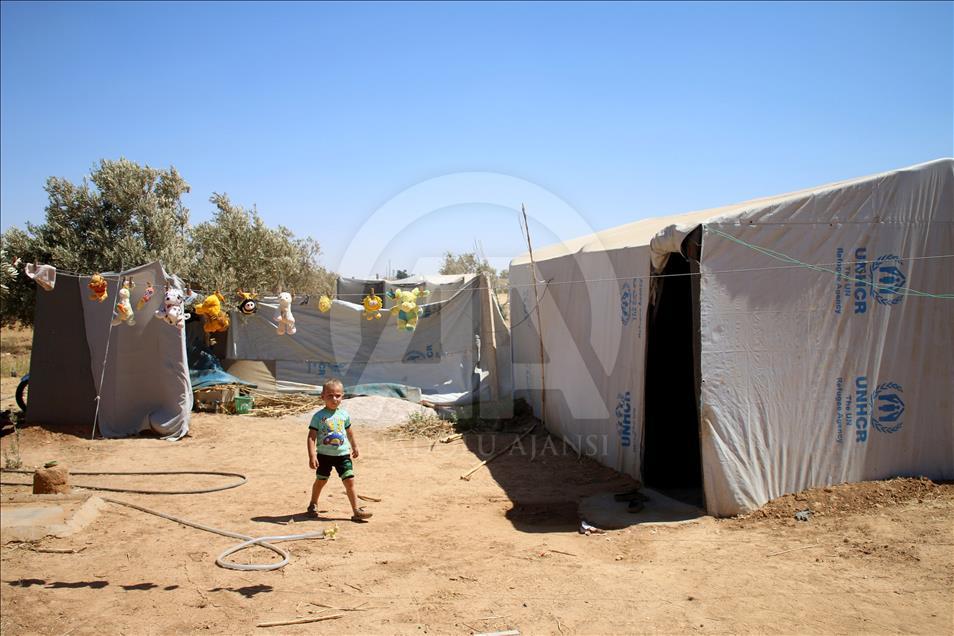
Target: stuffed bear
[(215, 319), (324, 304), (171, 309), (124, 311), (284, 317), (372, 306), (99, 287), (405, 307)]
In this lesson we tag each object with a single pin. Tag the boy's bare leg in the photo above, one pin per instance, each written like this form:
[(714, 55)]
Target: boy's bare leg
[(352, 496), (316, 490)]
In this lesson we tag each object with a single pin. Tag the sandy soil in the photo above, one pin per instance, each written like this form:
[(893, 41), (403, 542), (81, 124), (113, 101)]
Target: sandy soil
[(447, 556)]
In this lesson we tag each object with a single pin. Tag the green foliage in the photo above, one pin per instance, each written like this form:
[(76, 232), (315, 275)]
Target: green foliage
[(401, 274), (467, 263), (236, 250), (123, 215)]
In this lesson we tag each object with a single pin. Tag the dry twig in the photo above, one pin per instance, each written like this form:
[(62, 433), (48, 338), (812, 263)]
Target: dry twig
[(299, 621)]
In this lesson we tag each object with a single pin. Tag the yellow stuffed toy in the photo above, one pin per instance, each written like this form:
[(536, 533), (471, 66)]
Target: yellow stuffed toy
[(99, 287), (372, 306), (405, 307), (324, 304), (215, 319)]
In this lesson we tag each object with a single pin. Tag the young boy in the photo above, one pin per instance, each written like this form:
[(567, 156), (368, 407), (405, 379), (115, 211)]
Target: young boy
[(331, 445)]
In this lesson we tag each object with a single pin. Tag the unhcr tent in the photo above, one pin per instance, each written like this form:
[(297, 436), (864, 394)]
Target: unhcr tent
[(139, 372), (757, 349), (460, 350)]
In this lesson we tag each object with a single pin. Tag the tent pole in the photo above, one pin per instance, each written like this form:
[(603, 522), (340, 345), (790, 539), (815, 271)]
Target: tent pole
[(543, 368)]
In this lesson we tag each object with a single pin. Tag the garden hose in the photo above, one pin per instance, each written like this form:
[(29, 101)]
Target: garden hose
[(247, 541)]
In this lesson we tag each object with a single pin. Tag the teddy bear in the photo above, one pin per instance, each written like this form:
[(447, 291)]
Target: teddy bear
[(124, 311), (98, 285), (324, 304), (405, 307), (372, 306), (284, 317), (171, 309), (215, 319)]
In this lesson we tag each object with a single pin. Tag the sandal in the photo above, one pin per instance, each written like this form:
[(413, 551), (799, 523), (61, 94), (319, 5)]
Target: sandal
[(635, 506), (632, 495), (360, 515)]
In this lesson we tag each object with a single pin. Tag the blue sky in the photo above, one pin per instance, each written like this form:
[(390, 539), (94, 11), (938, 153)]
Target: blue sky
[(394, 132)]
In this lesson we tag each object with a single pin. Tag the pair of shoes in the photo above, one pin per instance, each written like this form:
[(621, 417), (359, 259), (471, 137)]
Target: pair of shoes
[(631, 495), (312, 510), (360, 515)]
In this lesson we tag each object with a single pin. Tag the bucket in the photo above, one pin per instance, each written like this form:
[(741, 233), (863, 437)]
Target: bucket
[(243, 404)]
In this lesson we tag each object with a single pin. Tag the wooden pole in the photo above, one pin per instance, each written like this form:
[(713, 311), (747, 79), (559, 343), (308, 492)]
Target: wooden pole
[(543, 366)]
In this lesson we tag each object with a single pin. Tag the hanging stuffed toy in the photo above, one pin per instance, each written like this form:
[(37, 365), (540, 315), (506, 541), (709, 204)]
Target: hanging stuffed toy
[(171, 309), (146, 297), (215, 319), (247, 304), (124, 310), (284, 318), (372, 306), (405, 307), (324, 304), (98, 285)]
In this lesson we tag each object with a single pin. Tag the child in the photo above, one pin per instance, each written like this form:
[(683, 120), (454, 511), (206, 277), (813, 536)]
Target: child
[(331, 445)]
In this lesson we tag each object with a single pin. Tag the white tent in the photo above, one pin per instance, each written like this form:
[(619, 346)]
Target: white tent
[(138, 372), (780, 344)]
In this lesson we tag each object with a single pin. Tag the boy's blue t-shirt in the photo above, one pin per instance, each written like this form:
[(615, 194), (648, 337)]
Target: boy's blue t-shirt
[(331, 427)]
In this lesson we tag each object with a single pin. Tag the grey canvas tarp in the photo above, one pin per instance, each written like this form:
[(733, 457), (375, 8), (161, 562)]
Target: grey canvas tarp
[(144, 385), (442, 356), (440, 287), (823, 321)]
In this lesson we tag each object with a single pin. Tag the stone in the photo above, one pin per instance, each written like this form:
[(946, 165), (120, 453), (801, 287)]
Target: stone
[(51, 481)]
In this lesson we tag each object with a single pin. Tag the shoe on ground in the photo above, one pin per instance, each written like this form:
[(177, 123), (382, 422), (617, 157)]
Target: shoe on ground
[(361, 515)]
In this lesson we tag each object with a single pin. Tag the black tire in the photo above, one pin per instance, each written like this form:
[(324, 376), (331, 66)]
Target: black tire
[(22, 392)]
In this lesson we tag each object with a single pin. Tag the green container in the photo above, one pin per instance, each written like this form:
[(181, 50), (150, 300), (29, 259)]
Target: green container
[(243, 404)]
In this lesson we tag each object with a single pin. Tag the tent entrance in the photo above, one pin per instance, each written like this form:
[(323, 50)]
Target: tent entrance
[(672, 461)]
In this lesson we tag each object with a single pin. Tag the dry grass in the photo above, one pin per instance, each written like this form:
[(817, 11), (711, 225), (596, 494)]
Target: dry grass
[(272, 405), (15, 346)]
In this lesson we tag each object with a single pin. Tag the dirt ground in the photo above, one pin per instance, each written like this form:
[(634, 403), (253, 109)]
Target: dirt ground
[(447, 556)]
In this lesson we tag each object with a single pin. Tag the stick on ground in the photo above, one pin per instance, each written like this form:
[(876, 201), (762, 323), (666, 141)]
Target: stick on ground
[(466, 476), (299, 621)]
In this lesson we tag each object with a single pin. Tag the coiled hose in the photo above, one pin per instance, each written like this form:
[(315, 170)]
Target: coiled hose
[(247, 541)]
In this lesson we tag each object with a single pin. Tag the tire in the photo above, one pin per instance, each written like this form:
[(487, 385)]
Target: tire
[(22, 392)]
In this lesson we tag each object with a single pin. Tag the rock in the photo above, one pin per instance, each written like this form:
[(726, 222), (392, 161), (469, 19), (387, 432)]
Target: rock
[(51, 481)]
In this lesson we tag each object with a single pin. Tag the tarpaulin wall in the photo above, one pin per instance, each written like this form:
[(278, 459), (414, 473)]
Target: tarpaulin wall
[(594, 349), (145, 385), (812, 377), (440, 357)]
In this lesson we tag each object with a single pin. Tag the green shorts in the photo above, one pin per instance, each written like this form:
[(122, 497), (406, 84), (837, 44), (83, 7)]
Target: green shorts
[(341, 463)]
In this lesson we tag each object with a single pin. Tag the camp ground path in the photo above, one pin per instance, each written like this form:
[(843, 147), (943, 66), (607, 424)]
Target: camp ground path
[(446, 556)]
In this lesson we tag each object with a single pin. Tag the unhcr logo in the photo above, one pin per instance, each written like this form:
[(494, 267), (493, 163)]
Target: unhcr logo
[(881, 279), (860, 409), (631, 302), (624, 419), (888, 280), (887, 407), (417, 356)]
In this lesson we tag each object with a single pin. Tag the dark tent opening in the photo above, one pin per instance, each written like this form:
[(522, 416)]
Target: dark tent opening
[(672, 462)]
